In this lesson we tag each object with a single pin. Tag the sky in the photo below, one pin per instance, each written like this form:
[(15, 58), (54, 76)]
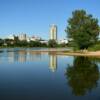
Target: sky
[(34, 17)]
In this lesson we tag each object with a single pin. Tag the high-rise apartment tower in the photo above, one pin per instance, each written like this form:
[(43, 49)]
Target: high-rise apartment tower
[(53, 32)]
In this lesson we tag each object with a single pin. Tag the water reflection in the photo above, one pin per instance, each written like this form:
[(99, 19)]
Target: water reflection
[(21, 56), (53, 62), (31, 80), (82, 76)]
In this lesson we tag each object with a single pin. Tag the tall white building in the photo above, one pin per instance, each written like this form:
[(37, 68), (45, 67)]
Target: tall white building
[(22, 37), (53, 32)]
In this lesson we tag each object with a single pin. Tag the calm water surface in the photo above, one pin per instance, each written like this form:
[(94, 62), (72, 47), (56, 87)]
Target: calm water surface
[(28, 76)]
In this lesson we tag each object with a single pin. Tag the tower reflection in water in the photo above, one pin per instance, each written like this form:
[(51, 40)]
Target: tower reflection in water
[(53, 63), (22, 56)]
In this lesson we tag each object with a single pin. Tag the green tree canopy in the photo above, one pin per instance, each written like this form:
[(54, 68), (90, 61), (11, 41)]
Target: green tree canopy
[(1, 42), (52, 43), (83, 29)]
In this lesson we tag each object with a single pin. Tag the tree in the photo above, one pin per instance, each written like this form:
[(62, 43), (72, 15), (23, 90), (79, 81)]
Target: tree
[(1, 42), (83, 29), (34, 44), (9, 42), (52, 43), (16, 40), (23, 43)]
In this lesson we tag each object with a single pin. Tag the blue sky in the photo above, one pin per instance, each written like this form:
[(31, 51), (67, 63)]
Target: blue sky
[(35, 16)]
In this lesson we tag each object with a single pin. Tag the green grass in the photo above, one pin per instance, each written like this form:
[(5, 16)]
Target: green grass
[(95, 47)]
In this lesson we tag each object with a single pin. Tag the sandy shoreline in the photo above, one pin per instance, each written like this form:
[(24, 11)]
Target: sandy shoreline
[(94, 54), (64, 52)]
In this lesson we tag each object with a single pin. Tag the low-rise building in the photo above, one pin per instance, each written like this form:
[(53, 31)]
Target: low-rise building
[(44, 41), (63, 41), (35, 38), (22, 37)]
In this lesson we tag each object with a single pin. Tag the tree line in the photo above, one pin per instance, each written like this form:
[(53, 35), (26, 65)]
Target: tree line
[(17, 43)]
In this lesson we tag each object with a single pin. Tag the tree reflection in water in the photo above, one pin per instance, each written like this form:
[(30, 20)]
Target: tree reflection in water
[(82, 76)]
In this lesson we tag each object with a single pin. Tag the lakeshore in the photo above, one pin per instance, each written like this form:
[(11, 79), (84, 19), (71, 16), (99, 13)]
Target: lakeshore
[(68, 52), (89, 53), (57, 51)]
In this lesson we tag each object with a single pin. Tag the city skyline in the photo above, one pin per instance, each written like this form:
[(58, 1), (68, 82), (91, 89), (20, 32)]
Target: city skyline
[(34, 16)]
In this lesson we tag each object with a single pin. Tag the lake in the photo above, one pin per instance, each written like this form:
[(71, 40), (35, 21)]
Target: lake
[(44, 76)]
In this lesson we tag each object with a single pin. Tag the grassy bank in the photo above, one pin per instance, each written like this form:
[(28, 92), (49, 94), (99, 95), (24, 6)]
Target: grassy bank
[(95, 47)]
